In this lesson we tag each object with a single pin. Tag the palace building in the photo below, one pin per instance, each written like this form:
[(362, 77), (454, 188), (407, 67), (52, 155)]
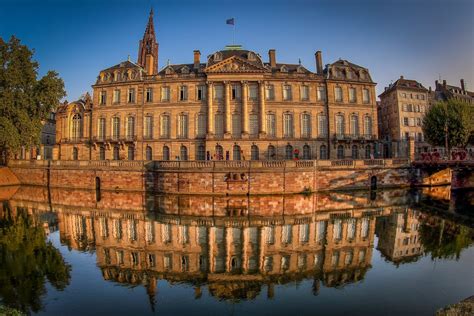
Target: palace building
[(232, 106)]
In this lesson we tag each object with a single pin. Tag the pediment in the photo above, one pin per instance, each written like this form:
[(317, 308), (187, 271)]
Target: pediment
[(234, 64)]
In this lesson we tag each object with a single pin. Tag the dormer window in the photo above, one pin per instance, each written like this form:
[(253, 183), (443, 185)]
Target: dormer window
[(185, 70), (169, 71), (217, 56), (251, 56), (300, 69), (283, 69)]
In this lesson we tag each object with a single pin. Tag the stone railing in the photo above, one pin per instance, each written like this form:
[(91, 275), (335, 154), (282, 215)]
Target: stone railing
[(86, 164)]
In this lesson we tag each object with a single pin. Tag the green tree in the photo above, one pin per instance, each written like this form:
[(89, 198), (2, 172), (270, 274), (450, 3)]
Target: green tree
[(452, 118), (25, 100)]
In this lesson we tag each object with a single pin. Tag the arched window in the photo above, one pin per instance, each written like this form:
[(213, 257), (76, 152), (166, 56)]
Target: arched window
[(149, 153), (219, 125), (76, 131), (182, 126), (201, 152), (368, 126), (354, 125), (201, 125), (236, 152), (131, 153), (367, 152), (166, 153), (355, 152), (75, 153), (116, 153), (289, 152), (288, 125), (116, 128), (165, 126), (323, 153), (254, 152), (219, 152), (102, 153), (322, 125), (340, 152), (183, 153), (271, 152), (306, 125), (236, 125), (306, 152), (130, 128), (340, 125)]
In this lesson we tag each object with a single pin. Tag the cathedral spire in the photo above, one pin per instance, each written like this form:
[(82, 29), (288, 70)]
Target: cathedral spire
[(148, 48)]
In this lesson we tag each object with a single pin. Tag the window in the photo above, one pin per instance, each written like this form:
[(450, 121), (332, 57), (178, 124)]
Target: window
[(149, 153), (201, 152), (131, 153), (76, 132), (368, 126), (306, 125), (165, 94), (101, 153), (340, 125), (116, 99), (355, 152), (365, 96), (404, 95), (289, 152), (422, 96), (271, 152), (321, 94), (219, 125), (304, 93), (236, 125), (271, 125), (354, 126), (352, 95), (75, 153), (218, 92), (306, 152), (148, 133), (166, 153), (253, 92), (130, 127), (286, 234), (340, 152), (286, 92), (182, 126), (201, 125), (183, 153), (103, 97), (338, 94), (254, 152), (367, 152), (288, 125), (235, 94), (183, 93), (418, 121), (116, 153), (405, 121), (101, 129), (201, 93), (219, 152), (236, 152), (269, 92), (253, 124), (131, 95), (323, 152), (149, 95), (116, 128), (322, 125), (420, 137), (165, 126)]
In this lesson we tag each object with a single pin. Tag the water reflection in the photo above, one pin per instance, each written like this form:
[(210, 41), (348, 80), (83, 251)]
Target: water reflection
[(238, 247)]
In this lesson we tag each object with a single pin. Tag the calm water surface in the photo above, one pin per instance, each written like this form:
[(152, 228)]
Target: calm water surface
[(360, 253)]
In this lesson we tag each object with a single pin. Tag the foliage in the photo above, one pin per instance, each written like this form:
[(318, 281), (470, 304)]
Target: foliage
[(455, 116), (27, 260), (24, 100)]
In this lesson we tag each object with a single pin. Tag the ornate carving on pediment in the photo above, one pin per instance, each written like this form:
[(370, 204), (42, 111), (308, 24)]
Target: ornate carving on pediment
[(234, 64)]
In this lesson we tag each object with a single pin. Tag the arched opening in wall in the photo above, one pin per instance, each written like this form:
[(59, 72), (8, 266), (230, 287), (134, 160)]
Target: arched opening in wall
[(148, 153), (131, 152), (97, 189), (367, 152), (373, 183), (219, 152), (101, 153), (355, 152), (166, 153), (306, 152), (386, 153), (271, 152), (183, 152), (340, 152), (116, 152), (236, 155), (289, 152), (75, 153), (254, 152), (323, 152), (201, 152)]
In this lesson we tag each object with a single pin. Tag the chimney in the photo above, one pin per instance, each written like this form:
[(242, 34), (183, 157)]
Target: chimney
[(272, 58), (319, 63), (401, 77), (197, 61), (429, 89), (444, 84), (463, 88)]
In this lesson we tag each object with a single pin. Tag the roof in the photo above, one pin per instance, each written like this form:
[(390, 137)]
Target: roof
[(345, 70), (123, 64), (403, 83)]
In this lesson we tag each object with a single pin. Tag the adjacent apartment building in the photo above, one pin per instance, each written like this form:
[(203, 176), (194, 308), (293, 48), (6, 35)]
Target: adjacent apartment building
[(231, 106)]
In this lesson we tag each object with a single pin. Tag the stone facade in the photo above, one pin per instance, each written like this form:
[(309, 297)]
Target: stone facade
[(234, 106)]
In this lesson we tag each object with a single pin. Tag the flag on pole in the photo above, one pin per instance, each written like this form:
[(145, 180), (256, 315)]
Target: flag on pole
[(230, 21)]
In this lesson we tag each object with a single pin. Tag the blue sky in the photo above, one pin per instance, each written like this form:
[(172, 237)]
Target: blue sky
[(419, 39)]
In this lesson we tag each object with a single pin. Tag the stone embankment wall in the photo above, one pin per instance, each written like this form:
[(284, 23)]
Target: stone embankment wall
[(7, 177), (216, 177)]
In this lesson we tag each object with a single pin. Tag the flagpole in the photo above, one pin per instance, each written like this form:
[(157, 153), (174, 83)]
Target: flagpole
[(233, 33)]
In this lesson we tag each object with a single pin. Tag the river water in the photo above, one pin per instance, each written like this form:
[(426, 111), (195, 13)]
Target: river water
[(394, 252)]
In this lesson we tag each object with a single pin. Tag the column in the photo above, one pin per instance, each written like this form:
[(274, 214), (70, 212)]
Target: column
[(262, 110), (228, 118), (210, 112), (245, 109)]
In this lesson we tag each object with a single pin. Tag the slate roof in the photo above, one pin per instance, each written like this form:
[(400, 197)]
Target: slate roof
[(405, 84)]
